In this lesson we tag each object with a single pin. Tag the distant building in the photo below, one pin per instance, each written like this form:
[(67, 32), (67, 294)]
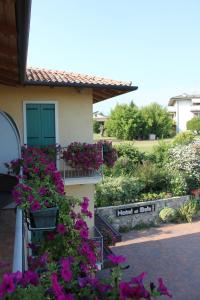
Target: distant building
[(183, 108), (99, 117)]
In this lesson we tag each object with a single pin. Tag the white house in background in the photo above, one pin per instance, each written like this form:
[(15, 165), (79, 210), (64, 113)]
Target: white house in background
[(99, 117), (183, 108)]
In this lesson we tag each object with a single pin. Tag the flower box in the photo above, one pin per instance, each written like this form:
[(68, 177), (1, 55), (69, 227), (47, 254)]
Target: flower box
[(44, 218)]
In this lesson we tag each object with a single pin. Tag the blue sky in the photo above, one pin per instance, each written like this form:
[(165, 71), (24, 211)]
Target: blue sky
[(153, 43)]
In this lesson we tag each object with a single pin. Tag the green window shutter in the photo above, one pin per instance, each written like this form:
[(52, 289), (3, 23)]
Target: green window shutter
[(33, 125), (48, 124), (40, 119)]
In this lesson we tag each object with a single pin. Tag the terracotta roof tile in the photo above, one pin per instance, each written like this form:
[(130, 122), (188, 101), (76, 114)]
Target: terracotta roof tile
[(36, 76), (43, 75)]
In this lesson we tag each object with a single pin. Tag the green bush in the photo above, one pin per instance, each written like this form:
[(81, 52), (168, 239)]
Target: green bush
[(116, 191), (153, 196), (96, 126), (168, 214), (194, 124), (178, 184), (188, 210), (129, 150), (183, 138), (160, 153), (153, 178)]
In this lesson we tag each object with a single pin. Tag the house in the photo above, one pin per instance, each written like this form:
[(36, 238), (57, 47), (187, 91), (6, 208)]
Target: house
[(183, 108), (99, 117), (41, 107)]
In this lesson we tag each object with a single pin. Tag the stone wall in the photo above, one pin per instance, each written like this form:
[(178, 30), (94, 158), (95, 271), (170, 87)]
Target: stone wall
[(133, 214)]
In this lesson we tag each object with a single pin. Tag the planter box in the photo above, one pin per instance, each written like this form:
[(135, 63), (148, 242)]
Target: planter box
[(44, 218)]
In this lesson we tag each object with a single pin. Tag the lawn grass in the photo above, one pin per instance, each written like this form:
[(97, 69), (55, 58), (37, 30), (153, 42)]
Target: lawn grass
[(145, 146)]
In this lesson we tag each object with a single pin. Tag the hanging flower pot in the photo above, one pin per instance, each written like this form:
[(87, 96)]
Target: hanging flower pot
[(44, 218)]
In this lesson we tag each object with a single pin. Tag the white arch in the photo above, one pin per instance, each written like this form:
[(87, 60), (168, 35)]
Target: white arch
[(9, 141)]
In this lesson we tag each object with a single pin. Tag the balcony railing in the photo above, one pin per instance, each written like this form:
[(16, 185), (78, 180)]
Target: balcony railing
[(20, 245), (74, 176)]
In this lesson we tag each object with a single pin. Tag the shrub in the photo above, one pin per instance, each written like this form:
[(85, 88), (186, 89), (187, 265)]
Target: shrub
[(194, 124), (115, 191), (168, 214), (153, 196), (129, 150), (188, 210), (124, 166), (178, 185), (185, 159), (152, 177), (183, 138), (160, 153), (96, 126)]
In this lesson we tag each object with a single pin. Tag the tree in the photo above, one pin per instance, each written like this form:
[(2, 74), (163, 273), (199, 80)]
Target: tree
[(157, 121), (194, 124), (125, 122), (96, 126)]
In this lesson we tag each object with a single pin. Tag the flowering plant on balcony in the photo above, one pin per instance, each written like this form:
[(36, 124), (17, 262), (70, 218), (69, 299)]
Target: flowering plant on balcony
[(87, 157), (66, 267), (109, 153), (35, 194)]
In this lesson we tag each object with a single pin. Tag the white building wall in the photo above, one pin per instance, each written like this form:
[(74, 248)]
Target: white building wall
[(183, 114)]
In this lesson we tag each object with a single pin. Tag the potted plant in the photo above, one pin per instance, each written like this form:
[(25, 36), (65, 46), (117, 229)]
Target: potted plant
[(82, 156), (40, 200)]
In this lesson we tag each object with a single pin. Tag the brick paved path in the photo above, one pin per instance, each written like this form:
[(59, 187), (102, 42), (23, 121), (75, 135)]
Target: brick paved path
[(171, 251)]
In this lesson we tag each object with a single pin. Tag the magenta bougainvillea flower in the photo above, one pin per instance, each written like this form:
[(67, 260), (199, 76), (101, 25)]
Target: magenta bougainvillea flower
[(162, 289), (116, 259), (61, 228), (35, 206), (66, 272)]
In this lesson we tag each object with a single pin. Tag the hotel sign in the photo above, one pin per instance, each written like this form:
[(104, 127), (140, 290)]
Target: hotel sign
[(135, 210)]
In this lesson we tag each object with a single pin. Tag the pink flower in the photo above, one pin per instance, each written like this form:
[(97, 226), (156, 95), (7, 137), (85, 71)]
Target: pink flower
[(30, 198), (61, 228), (57, 289), (35, 206), (7, 285), (84, 233), (162, 289), (80, 224), (66, 272), (116, 259)]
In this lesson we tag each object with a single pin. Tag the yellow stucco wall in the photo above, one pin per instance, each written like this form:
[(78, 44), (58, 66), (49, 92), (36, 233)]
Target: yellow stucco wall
[(74, 109), (74, 119), (84, 190)]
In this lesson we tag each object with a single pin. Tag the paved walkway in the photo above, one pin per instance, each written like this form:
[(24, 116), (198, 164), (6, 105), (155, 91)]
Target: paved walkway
[(171, 252)]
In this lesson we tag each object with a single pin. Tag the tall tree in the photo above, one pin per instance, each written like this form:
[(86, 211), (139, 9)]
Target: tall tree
[(125, 122), (157, 121)]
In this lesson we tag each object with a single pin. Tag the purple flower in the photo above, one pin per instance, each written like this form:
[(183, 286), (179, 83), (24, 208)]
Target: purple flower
[(162, 289), (116, 259), (84, 233), (35, 206), (61, 228), (57, 289), (43, 191), (66, 272), (30, 198), (80, 224)]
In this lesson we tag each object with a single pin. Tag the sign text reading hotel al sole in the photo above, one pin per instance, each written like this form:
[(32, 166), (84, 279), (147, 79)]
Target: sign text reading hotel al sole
[(135, 210)]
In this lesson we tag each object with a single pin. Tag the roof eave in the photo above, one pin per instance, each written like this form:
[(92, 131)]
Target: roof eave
[(23, 14)]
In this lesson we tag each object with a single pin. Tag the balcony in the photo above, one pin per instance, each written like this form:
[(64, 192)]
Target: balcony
[(77, 175)]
